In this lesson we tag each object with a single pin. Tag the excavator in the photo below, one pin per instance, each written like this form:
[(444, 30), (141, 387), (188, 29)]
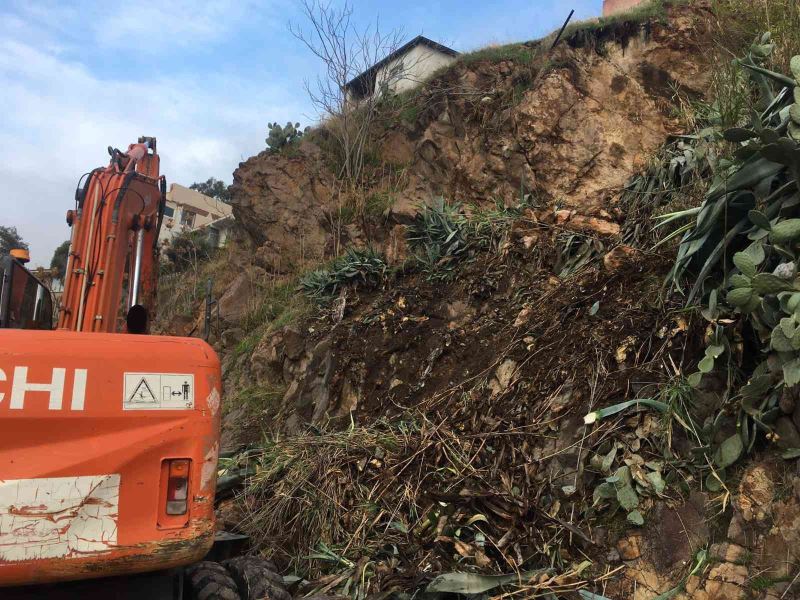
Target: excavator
[(109, 436)]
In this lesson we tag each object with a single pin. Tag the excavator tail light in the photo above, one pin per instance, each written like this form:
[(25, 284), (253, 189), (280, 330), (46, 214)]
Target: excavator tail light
[(178, 487)]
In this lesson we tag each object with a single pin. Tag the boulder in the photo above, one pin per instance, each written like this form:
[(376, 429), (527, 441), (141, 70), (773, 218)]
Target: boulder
[(283, 202), (239, 298)]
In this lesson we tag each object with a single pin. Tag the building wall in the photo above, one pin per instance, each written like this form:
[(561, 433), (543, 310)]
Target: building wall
[(611, 7), (417, 65), (190, 210)]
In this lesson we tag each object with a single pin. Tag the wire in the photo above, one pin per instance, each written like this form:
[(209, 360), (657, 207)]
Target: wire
[(79, 187), (129, 189)]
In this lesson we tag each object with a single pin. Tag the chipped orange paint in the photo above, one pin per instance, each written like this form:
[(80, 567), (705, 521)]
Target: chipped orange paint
[(56, 441)]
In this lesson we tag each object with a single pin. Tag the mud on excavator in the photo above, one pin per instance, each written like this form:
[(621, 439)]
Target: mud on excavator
[(109, 438)]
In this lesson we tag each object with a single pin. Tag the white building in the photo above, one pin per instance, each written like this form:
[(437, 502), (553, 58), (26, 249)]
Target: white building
[(404, 69), (189, 210)]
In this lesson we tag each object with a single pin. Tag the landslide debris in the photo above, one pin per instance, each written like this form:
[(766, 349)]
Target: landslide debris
[(426, 429)]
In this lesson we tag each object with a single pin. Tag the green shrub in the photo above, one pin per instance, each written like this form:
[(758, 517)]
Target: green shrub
[(356, 267), (187, 250)]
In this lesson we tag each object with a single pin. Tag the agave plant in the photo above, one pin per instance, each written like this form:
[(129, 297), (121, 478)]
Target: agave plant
[(355, 267), (438, 236)]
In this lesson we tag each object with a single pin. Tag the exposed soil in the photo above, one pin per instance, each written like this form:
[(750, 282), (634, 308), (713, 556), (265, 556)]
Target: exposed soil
[(436, 424)]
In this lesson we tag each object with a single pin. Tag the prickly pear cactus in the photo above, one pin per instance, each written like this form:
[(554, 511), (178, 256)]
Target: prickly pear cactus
[(279, 137), (747, 240)]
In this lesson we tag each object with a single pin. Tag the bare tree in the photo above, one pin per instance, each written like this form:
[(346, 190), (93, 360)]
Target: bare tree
[(346, 54)]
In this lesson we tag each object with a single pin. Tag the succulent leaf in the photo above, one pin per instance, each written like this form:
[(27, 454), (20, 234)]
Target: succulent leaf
[(745, 264), (739, 134), (780, 342), (740, 297), (791, 373), (785, 231), (729, 451), (740, 281), (766, 284)]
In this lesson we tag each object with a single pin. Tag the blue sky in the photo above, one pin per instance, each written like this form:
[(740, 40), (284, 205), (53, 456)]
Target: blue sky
[(203, 77)]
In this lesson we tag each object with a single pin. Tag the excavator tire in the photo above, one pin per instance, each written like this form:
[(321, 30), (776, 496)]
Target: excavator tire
[(208, 580), (257, 578)]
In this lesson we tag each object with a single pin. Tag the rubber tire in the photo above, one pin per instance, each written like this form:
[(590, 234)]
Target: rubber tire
[(257, 578), (208, 580)]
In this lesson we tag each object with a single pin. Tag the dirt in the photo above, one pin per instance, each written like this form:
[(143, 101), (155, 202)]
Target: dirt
[(501, 323), (481, 379), (506, 353)]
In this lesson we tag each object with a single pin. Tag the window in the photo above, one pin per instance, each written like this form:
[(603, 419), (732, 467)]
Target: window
[(24, 302), (169, 211), (187, 218)]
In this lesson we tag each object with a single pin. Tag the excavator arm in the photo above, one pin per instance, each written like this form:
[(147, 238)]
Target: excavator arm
[(111, 277)]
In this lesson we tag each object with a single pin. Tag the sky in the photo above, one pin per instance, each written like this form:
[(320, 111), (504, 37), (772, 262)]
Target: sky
[(205, 78)]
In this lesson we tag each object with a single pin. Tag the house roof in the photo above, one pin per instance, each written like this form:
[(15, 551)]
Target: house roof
[(419, 40)]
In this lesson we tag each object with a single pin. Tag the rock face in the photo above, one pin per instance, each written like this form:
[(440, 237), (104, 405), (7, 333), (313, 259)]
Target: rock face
[(281, 202), (238, 299), (572, 132)]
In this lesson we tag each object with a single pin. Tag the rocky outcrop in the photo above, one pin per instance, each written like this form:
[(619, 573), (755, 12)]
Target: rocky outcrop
[(240, 297), (571, 130), (282, 203)]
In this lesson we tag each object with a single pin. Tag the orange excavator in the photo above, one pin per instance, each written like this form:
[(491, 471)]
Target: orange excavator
[(109, 438)]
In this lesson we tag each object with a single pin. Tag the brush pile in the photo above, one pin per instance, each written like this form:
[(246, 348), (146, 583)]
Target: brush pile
[(470, 451)]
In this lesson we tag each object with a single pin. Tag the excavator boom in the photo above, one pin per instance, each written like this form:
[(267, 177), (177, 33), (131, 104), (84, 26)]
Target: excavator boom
[(110, 283)]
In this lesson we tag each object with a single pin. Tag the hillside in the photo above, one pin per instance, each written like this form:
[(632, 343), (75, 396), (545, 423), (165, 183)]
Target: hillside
[(414, 365)]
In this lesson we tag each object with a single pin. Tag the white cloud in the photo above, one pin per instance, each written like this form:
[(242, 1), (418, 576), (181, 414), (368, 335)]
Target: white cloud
[(148, 27), (60, 115)]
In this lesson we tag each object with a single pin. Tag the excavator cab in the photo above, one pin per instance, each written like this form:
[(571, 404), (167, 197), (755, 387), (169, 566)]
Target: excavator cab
[(25, 302)]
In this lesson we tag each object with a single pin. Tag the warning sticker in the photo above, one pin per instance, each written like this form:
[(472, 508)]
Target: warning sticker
[(158, 391)]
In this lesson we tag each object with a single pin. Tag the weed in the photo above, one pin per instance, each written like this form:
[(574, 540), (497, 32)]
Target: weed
[(596, 31), (260, 397), (246, 346), (364, 267), (276, 307), (731, 93), (517, 53), (741, 21), (763, 582), (679, 397), (410, 113), (304, 480), (181, 292), (378, 203)]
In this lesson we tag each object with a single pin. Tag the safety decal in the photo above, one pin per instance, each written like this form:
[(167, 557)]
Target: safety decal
[(158, 391)]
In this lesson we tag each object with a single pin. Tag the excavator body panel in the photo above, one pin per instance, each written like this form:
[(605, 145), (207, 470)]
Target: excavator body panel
[(108, 454)]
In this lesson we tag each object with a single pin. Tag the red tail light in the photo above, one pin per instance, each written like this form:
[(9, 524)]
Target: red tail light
[(178, 487)]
